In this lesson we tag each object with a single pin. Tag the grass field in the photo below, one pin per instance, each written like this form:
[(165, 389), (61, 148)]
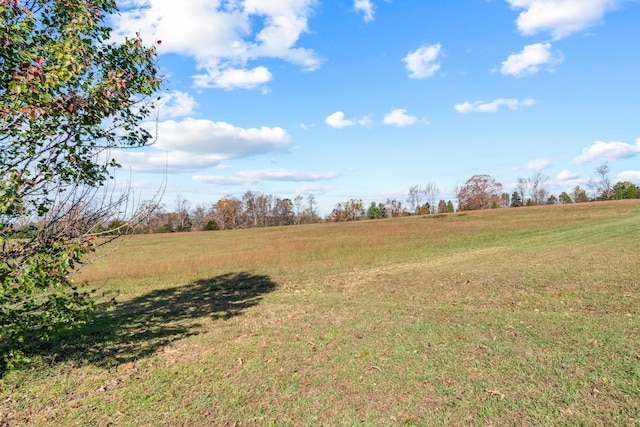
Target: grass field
[(525, 316)]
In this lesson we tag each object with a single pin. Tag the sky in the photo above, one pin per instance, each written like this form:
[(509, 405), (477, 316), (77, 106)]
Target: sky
[(363, 99)]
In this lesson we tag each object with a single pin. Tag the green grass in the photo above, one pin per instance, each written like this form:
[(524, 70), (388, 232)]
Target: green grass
[(522, 316)]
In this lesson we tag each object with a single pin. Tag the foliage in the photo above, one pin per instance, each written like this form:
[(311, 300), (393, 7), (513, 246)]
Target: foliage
[(626, 190), (579, 195), (375, 211), (480, 192), (68, 95), (351, 210)]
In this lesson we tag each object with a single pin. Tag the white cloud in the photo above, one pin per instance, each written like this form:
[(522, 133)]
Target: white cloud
[(399, 117), (165, 161), (566, 175), (608, 151), (175, 104), (538, 164), (493, 106), (366, 7), (233, 78), (530, 60), (423, 62), (223, 36), (560, 17), (192, 144), (286, 175), (253, 176), (337, 120), (631, 176), (228, 141)]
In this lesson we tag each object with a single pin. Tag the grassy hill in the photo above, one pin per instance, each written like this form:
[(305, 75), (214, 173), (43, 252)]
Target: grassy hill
[(501, 317)]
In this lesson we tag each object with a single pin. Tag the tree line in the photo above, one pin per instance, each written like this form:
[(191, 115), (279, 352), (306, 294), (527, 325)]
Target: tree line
[(255, 209)]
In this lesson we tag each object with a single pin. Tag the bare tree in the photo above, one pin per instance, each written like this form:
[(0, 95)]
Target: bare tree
[(431, 192), (601, 184)]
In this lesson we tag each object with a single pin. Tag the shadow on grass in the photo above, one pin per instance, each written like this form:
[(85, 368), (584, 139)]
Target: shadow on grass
[(130, 330)]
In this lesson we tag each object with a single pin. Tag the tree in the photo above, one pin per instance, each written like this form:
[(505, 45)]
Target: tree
[(516, 199), (416, 196), (375, 211), (535, 188), (480, 192), (442, 206), (564, 198), (351, 210), (579, 195), (601, 183), (450, 207), (626, 190), (68, 95)]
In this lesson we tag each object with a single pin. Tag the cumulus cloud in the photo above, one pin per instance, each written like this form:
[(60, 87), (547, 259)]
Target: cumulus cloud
[(530, 60), (493, 106), (175, 104), (366, 7), (538, 164), (233, 78), (631, 176), (192, 144), (254, 176), (165, 161), (399, 117), (229, 141), (608, 151), (567, 175), (222, 37), (337, 120), (423, 62), (560, 17)]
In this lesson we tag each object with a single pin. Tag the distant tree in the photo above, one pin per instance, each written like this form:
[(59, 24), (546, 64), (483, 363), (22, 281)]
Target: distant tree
[(211, 226), (523, 190), (282, 213), (432, 192), (625, 190), (601, 183), (310, 213), (533, 190), (297, 203), (552, 200), (425, 209), (505, 200), (182, 220), (375, 211), (351, 210), (564, 198), (450, 207), (442, 206), (199, 217), (579, 195), (516, 199), (227, 212), (480, 192), (393, 208), (416, 196)]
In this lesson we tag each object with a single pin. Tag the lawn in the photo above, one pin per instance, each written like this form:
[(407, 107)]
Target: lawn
[(526, 316)]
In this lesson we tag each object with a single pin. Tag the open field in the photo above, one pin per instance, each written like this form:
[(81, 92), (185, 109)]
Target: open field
[(525, 316)]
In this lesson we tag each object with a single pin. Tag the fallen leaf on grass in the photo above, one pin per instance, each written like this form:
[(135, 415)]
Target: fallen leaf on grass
[(495, 393), (372, 367)]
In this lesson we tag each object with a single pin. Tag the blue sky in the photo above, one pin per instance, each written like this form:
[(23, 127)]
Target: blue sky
[(365, 98)]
